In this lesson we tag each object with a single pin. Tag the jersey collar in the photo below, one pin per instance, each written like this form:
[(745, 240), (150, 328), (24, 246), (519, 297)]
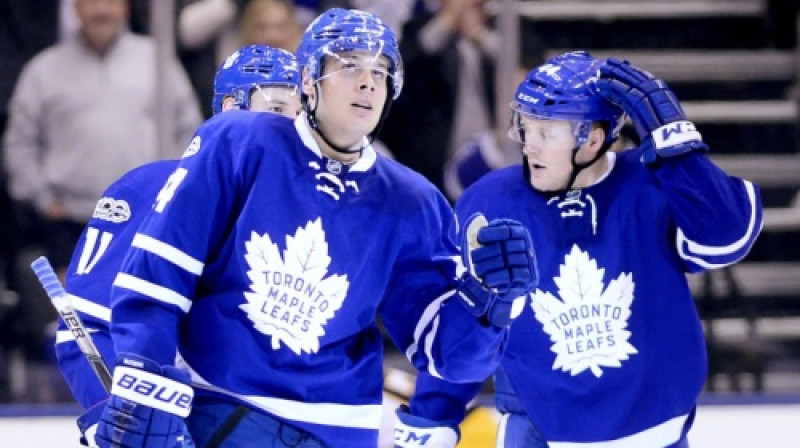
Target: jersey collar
[(364, 163)]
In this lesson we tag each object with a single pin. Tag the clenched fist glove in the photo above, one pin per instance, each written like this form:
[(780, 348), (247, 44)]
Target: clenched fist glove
[(654, 110), (501, 269), (411, 431), (147, 406)]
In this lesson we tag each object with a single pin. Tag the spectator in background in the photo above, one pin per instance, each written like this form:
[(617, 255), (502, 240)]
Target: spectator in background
[(81, 115), (450, 88), (272, 23), (69, 137), (26, 27), (210, 30), (394, 13), (491, 149)]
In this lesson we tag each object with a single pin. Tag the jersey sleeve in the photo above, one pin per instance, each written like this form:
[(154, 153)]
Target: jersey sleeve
[(421, 314), (717, 216), (94, 264), (442, 401), (155, 286)]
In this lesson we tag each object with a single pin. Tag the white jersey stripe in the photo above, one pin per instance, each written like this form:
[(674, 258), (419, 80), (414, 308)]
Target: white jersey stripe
[(663, 434), (429, 346), (332, 414), (428, 315), (744, 241), (152, 290), (67, 336), (90, 308), (169, 253)]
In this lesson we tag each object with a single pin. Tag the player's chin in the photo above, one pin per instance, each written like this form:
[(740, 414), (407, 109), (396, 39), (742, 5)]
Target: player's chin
[(364, 124), (544, 184)]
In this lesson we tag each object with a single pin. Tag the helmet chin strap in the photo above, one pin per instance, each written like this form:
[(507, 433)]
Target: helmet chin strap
[(312, 121), (576, 169)]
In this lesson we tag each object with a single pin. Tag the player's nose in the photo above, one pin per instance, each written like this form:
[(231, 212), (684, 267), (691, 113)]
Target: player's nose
[(365, 81)]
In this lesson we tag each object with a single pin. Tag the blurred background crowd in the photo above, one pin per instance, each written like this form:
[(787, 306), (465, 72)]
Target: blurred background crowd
[(92, 88)]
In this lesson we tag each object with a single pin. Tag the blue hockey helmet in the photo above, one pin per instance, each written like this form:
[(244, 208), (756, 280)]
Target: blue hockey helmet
[(563, 88), (251, 67), (340, 30)]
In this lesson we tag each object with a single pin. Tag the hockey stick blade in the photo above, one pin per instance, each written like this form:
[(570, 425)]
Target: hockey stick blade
[(62, 303)]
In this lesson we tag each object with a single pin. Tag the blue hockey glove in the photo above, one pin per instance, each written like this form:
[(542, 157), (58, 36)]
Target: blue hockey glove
[(147, 406), (501, 269), (654, 110), (411, 431)]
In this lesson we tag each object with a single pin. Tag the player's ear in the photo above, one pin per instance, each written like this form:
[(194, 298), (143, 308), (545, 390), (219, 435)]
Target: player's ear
[(596, 137), (307, 85), (227, 103)]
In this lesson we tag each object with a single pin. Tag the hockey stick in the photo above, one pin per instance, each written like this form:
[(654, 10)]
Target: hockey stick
[(47, 277)]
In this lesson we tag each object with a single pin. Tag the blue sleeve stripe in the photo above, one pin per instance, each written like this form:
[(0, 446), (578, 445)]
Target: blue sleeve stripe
[(91, 308), (153, 291), (692, 251), (169, 253)]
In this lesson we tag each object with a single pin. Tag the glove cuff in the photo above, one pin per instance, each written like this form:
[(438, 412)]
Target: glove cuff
[(675, 134), (411, 431), (473, 296)]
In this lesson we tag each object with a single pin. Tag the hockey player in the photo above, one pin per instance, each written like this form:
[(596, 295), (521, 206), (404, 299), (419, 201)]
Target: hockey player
[(610, 351), (257, 78), (271, 251)]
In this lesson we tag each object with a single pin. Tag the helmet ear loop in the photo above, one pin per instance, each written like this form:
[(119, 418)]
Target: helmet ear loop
[(578, 167), (312, 121)]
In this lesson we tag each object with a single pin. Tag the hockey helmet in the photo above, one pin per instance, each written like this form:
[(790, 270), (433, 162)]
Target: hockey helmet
[(342, 30), (563, 88), (251, 67)]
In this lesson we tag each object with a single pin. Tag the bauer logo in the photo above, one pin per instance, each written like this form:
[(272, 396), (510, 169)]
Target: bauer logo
[(194, 147), (152, 390)]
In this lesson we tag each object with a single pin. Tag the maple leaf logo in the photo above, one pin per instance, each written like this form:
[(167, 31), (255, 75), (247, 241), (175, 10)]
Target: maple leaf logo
[(588, 326), (290, 297)]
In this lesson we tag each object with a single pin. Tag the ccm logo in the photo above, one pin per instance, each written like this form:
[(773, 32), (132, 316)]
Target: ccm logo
[(410, 438)]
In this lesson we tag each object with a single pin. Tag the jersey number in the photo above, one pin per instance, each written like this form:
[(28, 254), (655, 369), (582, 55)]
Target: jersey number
[(90, 256), (168, 190)]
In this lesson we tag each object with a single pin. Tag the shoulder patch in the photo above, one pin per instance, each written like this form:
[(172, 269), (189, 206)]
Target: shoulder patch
[(193, 148), (114, 210)]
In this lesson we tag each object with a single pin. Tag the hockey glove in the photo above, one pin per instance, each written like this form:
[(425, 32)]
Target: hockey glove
[(147, 406), (411, 431), (501, 269), (654, 110)]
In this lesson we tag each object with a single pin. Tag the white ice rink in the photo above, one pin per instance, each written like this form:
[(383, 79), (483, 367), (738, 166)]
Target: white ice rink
[(716, 426)]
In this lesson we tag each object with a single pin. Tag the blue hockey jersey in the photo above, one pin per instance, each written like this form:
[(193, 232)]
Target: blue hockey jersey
[(611, 347), (93, 266), (266, 264)]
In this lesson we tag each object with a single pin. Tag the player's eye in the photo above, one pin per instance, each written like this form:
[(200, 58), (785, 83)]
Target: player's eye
[(379, 74)]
